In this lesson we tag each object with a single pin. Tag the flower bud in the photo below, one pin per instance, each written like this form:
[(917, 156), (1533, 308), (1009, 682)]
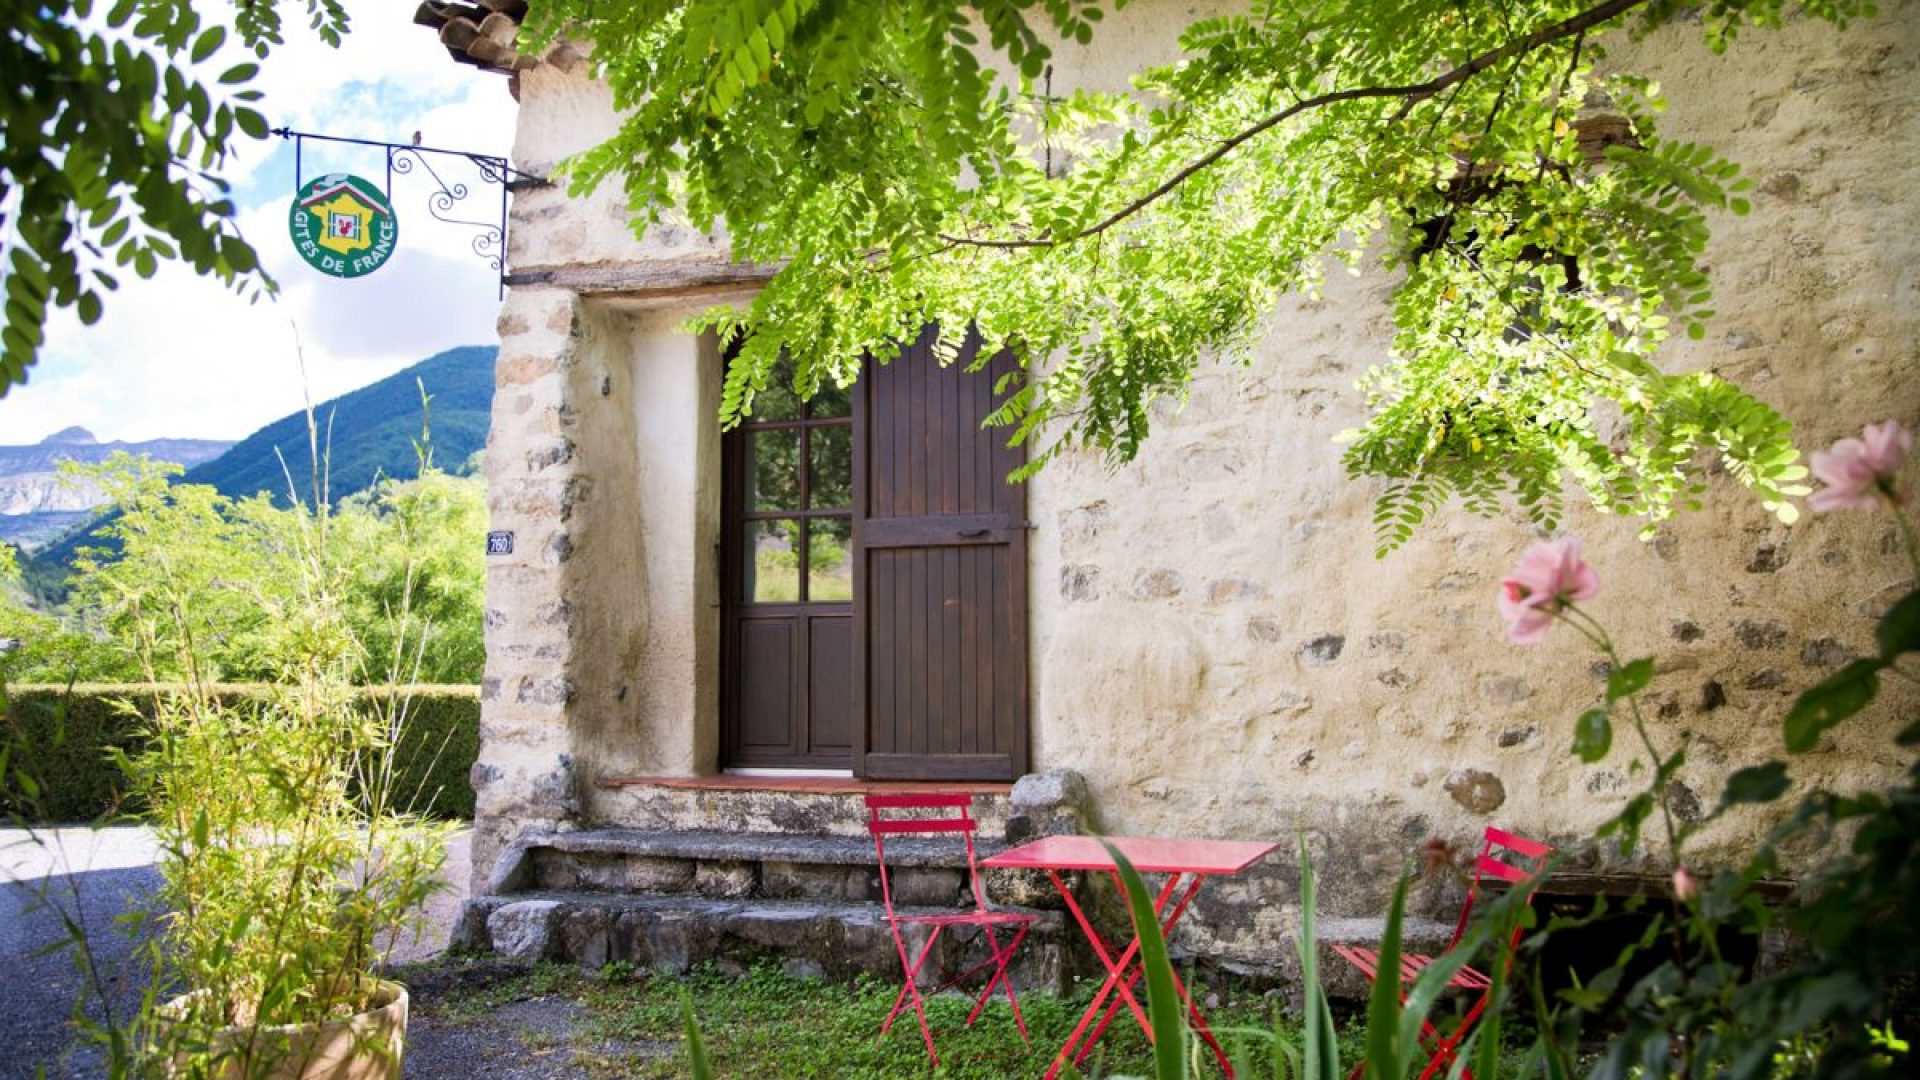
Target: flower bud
[(1685, 888)]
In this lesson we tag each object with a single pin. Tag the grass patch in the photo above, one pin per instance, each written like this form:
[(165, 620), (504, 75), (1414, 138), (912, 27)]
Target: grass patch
[(766, 1024)]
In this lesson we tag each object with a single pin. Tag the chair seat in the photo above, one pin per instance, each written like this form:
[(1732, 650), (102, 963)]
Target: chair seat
[(1411, 965), (967, 918)]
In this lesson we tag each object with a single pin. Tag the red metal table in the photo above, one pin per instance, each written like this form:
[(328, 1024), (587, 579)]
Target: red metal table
[(1186, 863)]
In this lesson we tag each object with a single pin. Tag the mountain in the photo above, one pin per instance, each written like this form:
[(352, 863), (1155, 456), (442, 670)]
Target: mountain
[(367, 433), (35, 504), (364, 434)]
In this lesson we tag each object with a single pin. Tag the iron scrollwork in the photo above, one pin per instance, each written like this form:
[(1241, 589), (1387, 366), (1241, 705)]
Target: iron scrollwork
[(444, 203)]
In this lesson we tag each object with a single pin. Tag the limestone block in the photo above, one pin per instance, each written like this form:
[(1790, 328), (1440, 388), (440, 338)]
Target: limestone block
[(512, 872), (469, 933), (927, 886), (788, 881), (1053, 803), (658, 875), (586, 936), (725, 879), (525, 930)]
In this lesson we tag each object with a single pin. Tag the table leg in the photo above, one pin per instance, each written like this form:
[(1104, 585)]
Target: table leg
[(1168, 921), (1114, 970)]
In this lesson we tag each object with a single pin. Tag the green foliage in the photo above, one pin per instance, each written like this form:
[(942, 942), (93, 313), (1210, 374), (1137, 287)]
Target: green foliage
[(368, 435), (236, 585), (1115, 241), (1673, 1002), (116, 129), (68, 741), (764, 1022)]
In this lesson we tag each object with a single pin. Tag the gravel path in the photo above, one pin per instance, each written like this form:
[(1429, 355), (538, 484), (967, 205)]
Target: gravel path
[(94, 876), (46, 879)]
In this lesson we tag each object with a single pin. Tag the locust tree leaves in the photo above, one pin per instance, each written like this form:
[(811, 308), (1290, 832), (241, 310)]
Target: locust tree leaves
[(118, 118), (912, 162)]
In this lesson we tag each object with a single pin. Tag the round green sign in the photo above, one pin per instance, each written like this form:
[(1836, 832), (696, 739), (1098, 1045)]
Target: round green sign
[(343, 225)]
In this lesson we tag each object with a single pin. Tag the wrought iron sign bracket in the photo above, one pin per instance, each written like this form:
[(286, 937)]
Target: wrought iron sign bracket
[(403, 158)]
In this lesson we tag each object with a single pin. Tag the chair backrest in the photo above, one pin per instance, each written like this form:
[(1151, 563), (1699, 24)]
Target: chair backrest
[(883, 826), (1510, 858)]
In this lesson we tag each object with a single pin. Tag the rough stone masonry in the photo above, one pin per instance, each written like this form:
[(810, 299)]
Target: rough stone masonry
[(1214, 647)]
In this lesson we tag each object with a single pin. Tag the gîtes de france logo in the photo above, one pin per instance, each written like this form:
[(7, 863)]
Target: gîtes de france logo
[(342, 225)]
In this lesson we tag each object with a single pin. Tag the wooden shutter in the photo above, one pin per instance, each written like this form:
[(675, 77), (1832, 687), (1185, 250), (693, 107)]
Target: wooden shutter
[(940, 611)]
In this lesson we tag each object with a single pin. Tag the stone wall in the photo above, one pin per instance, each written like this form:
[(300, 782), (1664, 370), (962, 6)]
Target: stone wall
[(1277, 678)]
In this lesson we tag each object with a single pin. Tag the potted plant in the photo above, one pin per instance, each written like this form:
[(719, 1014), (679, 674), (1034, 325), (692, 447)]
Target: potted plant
[(290, 863), (285, 873)]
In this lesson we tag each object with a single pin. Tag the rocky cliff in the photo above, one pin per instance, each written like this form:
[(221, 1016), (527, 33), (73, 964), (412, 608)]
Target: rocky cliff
[(32, 492)]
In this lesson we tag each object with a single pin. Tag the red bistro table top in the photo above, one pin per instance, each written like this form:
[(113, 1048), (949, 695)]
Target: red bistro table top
[(1149, 855)]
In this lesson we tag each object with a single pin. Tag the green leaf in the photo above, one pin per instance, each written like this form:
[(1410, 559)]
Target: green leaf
[(1593, 735), (1385, 1055), (1164, 1008), (1899, 629), (1756, 784), (1630, 678), (208, 43), (1841, 695), (1322, 1050), (239, 73), (251, 122), (701, 1068)]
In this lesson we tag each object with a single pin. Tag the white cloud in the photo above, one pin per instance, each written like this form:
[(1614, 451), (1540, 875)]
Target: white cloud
[(180, 356)]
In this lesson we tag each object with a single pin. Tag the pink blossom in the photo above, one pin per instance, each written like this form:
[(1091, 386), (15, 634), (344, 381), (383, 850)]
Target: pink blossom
[(1685, 888), (1859, 473), (1550, 574)]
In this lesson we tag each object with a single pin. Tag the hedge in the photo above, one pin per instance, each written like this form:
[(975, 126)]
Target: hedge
[(60, 738)]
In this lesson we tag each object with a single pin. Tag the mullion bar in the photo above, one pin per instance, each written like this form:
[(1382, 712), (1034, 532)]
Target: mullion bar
[(806, 440)]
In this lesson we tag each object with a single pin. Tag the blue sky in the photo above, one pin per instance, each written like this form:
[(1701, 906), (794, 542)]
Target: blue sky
[(179, 356)]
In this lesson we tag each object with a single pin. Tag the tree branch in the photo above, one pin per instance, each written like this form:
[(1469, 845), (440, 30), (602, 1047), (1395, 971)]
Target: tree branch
[(1410, 94)]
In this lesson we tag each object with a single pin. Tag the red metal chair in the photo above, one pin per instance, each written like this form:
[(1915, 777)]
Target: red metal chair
[(989, 920), (1513, 859)]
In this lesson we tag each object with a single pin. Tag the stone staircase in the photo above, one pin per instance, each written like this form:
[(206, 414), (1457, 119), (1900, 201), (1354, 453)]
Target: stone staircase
[(734, 874)]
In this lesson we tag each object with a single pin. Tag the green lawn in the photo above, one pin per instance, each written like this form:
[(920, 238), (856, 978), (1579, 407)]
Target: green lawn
[(765, 1025)]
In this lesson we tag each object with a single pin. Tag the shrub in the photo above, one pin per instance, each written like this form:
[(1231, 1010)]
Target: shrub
[(63, 741)]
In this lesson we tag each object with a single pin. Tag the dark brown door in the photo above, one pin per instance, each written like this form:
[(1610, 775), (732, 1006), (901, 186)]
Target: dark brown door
[(940, 596), (787, 654)]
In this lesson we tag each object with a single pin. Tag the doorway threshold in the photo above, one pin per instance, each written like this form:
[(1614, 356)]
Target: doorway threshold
[(841, 784), (775, 774)]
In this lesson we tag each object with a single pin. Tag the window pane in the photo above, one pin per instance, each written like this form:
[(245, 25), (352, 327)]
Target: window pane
[(773, 562), (831, 401), (829, 560), (830, 467), (773, 470)]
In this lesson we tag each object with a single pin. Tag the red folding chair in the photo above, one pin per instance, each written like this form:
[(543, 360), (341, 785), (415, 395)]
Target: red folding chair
[(1513, 859), (989, 920)]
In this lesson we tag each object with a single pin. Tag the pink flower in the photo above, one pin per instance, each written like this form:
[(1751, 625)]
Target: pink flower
[(1859, 473), (1550, 574), (1685, 888)]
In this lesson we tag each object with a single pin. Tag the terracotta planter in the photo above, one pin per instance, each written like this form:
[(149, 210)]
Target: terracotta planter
[(366, 1046)]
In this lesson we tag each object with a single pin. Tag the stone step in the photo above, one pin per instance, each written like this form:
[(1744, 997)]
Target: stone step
[(1344, 982), (1038, 805), (770, 866), (821, 809), (672, 934)]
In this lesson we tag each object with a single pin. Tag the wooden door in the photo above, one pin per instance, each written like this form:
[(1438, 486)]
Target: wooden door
[(787, 645), (940, 584)]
